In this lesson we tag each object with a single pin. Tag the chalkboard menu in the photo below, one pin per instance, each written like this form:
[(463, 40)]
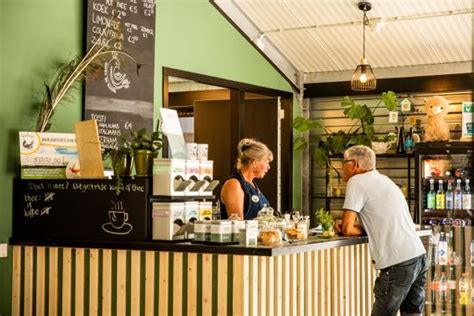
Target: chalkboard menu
[(121, 98), (81, 210)]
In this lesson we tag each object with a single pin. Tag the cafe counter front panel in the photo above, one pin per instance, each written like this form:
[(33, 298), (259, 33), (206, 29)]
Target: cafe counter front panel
[(317, 277)]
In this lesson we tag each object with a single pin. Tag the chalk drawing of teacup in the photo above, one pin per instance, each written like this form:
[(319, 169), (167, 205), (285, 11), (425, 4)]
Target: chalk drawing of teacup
[(118, 218)]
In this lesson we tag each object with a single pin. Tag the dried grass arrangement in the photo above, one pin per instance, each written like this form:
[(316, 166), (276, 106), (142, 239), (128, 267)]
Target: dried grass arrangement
[(68, 76)]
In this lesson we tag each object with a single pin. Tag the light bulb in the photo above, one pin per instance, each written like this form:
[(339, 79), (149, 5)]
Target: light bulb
[(363, 78)]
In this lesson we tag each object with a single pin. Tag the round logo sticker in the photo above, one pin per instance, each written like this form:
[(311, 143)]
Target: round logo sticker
[(255, 198)]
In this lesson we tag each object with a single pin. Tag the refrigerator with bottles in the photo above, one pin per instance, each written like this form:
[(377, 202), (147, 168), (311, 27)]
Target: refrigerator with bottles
[(443, 198)]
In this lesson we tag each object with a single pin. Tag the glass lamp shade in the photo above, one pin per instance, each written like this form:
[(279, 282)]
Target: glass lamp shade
[(363, 78)]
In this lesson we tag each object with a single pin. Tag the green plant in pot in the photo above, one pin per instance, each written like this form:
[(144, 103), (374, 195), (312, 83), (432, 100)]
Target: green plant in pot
[(121, 161), (324, 142), (145, 148), (325, 219)]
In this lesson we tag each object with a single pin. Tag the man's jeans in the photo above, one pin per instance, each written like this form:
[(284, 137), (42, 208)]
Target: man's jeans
[(401, 287)]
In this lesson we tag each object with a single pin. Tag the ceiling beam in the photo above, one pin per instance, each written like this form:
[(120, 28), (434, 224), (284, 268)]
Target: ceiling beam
[(431, 84), (252, 34), (393, 72)]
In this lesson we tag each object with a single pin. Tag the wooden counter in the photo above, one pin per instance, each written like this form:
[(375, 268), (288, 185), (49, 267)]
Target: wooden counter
[(318, 277)]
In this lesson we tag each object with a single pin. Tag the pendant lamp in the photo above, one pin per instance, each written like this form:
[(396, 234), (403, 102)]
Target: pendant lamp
[(363, 78)]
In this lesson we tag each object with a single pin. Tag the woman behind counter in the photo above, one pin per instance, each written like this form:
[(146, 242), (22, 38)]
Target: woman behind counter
[(240, 194)]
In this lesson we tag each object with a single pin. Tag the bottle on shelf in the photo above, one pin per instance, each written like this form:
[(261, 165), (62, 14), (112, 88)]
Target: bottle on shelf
[(466, 196), (409, 142), (443, 250), (472, 254), (431, 196), (463, 290), (443, 288), (434, 290), (451, 253), (452, 285), (458, 195), (329, 188), (401, 140), (440, 196), (449, 196)]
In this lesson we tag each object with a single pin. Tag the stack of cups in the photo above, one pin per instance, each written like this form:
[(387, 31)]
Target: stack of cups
[(196, 151)]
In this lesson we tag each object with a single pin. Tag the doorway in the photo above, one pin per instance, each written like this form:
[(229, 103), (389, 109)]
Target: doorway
[(220, 112)]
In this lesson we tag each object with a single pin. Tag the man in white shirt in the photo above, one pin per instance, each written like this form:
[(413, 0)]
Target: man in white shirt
[(394, 246)]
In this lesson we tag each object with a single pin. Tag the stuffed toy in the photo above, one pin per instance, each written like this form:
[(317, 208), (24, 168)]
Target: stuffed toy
[(437, 129)]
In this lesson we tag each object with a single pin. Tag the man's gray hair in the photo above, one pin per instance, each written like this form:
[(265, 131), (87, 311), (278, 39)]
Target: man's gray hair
[(364, 156)]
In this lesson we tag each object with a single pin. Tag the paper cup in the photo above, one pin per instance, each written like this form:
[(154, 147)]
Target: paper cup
[(191, 151), (202, 150)]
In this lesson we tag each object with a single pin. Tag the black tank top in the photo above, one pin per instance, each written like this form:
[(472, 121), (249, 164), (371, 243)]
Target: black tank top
[(254, 200)]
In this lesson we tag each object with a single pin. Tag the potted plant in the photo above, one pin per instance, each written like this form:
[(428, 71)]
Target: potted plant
[(324, 142), (381, 144), (121, 160), (325, 219), (144, 148)]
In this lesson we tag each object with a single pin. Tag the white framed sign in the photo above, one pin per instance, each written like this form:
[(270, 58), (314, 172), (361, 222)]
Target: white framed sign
[(173, 132), (467, 124)]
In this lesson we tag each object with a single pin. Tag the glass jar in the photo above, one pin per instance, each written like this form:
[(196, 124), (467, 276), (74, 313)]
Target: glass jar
[(221, 231), (236, 227), (270, 237)]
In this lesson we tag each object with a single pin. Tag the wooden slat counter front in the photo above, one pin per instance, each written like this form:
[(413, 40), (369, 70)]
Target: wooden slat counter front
[(318, 277)]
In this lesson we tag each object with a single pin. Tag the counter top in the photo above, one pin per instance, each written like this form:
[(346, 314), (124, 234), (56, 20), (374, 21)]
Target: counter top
[(313, 243)]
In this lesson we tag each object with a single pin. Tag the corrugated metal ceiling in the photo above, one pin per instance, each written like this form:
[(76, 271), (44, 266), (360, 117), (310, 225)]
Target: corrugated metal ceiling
[(323, 38)]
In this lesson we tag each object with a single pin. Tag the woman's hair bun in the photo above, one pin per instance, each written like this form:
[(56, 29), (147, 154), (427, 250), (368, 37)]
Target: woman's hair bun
[(245, 144)]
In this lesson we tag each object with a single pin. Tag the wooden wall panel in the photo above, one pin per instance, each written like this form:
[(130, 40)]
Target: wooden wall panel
[(16, 281), (121, 283), (79, 283), (330, 111), (326, 282)]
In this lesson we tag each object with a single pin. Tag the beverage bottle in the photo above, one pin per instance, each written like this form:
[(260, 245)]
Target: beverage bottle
[(329, 188), (431, 196), (443, 288), (458, 195), (434, 290), (466, 197), (440, 196), (443, 250), (463, 290), (451, 253), (401, 141), (450, 196), (472, 254), (452, 285)]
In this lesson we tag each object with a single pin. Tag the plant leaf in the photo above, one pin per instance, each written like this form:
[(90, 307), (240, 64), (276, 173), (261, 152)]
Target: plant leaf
[(321, 157), (390, 100), (300, 144), (347, 102), (299, 123)]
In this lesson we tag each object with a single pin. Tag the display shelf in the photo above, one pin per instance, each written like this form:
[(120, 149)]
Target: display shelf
[(409, 176)]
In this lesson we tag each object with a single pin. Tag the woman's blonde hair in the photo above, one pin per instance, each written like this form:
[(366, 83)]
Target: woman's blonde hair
[(250, 150)]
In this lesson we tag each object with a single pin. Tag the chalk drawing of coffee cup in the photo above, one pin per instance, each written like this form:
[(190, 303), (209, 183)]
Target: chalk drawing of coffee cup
[(118, 218), (117, 224)]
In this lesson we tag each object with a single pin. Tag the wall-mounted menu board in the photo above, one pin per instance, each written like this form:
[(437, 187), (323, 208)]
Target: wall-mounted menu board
[(81, 210), (121, 98)]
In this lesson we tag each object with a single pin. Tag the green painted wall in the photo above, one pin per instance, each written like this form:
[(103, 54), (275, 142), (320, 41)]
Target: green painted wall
[(35, 35)]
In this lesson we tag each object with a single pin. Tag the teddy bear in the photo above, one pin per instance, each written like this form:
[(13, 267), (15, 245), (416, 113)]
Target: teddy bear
[(437, 129)]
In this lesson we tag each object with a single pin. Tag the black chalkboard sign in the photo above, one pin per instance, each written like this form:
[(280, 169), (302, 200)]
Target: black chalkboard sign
[(121, 99), (81, 210)]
